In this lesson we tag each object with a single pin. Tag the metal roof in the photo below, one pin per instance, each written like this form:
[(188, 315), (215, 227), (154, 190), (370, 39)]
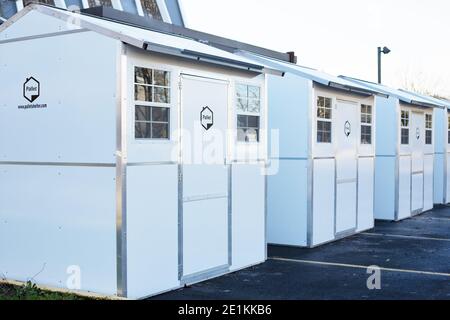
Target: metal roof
[(314, 75), (403, 96), (443, 102), (152, 41), (205, 38)]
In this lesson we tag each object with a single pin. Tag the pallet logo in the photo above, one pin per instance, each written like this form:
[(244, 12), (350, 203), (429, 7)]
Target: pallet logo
[(31, 89), (347, 129), (207, 118)]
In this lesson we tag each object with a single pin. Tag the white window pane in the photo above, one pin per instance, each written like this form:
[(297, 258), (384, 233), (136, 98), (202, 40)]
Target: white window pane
[(242, 105), (241, 91), (254, 106), (254, 92), (142, 130), (143, 93), (161, 78), (162, 95), (143, 113), (143, 75)]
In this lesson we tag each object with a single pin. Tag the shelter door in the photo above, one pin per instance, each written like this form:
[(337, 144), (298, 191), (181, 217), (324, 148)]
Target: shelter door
[(204, 179), (346, 128), (417, 167)]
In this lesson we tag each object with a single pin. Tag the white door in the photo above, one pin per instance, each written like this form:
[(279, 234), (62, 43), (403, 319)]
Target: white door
[(347, 126), (205, 182), (417, 146)]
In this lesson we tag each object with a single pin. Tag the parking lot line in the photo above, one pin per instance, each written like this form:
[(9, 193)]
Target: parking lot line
[(433, 218), (403, 237), (360, 267)]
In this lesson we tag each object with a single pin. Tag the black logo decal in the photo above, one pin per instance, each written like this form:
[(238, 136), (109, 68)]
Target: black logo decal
[(207, 118), (347, 129), (31, 89)]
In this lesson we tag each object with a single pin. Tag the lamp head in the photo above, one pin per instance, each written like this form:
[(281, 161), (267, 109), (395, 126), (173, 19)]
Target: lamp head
[(386, 50)]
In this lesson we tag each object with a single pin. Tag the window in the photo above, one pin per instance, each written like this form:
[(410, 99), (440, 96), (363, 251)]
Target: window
[(366, 124), (248, 128), (428, 129), (151, 122), (448, 129), (152, 95), (404, 127), (151, 9), (324, 116), (49, 2), (248, 110), (152, 85), (98, 3), (7, 8)]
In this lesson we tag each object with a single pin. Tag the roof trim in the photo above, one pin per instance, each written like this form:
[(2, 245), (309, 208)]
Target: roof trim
[(361, 91), (399, 97), (425, 104), (202, 57), (292, 68), (62, 14), (445, 104), (222, 43)]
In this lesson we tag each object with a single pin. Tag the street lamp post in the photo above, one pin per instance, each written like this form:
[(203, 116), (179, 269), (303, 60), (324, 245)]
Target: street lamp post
[(384, 50)]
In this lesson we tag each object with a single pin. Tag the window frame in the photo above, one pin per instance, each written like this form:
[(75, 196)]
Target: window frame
[(366, 124), (247, 113), (448, 128), (326, 120), (402, 127), (139, 103), (428, 129)]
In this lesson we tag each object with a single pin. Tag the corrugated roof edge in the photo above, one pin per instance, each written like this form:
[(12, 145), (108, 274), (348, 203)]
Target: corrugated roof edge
[(160, 26), (403, 99), (432, 99), (142, 44), (289, 68)]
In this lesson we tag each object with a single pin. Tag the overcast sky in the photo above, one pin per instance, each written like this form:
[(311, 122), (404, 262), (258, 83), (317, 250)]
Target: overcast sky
[(341, 37)]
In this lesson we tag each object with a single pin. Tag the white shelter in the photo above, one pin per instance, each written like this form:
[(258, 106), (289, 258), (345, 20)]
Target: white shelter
[(442, 150), (405, 162), (323, 183), (101, 126)]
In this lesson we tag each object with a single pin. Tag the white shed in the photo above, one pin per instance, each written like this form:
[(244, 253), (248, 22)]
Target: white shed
[(321, 177), (442, 150), (405, 160), (128, 165)]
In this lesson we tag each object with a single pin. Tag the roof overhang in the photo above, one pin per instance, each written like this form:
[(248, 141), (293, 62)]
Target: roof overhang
[(160, 26), (435, 101), (142, 38), (361, 91), (424, 104), (402, 95), (202, 57)]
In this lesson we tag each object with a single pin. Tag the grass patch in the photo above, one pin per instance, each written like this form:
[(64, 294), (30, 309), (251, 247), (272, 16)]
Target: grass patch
[(30, 291)]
